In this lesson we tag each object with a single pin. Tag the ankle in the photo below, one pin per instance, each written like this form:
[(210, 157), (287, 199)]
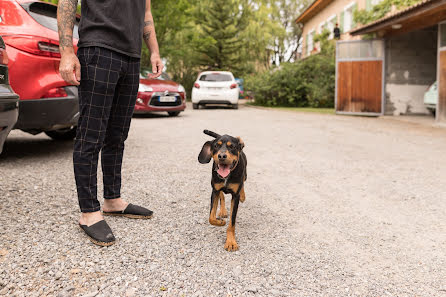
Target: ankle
[(114, 204), (90, 218)]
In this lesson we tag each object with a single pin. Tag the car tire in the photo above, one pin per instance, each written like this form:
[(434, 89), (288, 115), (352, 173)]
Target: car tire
[(173, 113), (235, 106), (62, 134), (195, 105)]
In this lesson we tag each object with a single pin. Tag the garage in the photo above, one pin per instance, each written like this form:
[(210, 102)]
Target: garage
[(398, 60)]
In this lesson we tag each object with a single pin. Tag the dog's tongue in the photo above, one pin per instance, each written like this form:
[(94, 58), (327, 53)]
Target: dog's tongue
[(223, 170)]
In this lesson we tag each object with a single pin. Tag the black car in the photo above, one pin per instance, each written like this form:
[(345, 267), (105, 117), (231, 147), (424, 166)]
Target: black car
[(9, 101)]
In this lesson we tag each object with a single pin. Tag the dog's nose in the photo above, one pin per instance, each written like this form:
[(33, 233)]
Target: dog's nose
[(222, 156)]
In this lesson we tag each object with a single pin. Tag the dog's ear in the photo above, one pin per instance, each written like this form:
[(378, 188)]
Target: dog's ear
[(205, 155), (241, 143)]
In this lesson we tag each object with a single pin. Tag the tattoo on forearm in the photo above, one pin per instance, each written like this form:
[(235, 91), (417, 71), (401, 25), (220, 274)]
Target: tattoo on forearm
[(148, 23), (146, 36), (66, 15)]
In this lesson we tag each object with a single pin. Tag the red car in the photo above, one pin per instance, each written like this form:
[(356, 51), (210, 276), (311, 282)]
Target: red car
[(161, 94), (47, 103)]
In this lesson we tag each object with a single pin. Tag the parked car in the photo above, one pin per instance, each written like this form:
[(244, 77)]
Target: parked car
[(160, 94), (431, 98), (9, 101), (47, 103), (215, 87)]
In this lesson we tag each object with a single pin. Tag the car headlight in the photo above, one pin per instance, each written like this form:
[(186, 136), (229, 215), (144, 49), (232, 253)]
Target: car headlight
[(181, 89), (144, 88)]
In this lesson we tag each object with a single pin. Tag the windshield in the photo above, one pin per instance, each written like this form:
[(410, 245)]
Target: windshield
[(216, 77)]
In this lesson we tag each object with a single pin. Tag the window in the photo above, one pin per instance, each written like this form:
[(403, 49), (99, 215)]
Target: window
[(348, 18), (331, 24), (46, 15), (310, 44), (347, 22), (216, 77), (322, 26)]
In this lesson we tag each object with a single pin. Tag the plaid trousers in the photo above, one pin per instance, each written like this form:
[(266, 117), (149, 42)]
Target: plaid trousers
[(107, 95)]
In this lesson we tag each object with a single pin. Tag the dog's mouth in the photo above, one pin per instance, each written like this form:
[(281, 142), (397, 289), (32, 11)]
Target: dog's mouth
[(224, 169)]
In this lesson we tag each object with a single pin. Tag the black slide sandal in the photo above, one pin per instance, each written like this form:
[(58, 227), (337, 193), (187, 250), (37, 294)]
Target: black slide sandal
[(131, 211), (99, 233)]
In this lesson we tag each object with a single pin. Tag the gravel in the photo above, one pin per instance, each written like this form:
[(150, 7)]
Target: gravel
[(336, 206)]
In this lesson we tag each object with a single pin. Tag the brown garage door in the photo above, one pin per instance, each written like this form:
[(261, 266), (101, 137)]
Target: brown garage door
[(359, 77)]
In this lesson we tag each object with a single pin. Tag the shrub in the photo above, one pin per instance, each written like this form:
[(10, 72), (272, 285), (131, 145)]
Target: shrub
[(309, 82)]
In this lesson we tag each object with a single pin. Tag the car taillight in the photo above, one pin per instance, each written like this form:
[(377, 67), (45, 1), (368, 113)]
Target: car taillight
[(196, 85), (233, 86), (3, 57), (55, 92), (34, 45)]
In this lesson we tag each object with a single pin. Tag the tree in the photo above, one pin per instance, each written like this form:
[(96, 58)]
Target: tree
[(170, 17), (221, 23)]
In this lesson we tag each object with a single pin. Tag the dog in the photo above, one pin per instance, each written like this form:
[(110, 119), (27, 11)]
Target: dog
[(228, 177)]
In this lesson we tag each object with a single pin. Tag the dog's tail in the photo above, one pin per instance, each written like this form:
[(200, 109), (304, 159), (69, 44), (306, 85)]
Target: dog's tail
[(210, 133)]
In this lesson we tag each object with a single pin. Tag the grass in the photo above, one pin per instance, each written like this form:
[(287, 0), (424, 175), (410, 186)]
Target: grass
[(300, 109)]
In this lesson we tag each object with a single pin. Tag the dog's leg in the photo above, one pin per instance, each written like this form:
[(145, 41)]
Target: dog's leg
[(222, 213), (214, 204), (242, 194), (231, 244)]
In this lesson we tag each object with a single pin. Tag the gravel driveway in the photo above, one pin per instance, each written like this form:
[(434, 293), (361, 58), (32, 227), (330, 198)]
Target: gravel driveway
[(335, 206)]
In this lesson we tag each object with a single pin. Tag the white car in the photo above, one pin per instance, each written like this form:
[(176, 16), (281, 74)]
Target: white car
[(215, 87)]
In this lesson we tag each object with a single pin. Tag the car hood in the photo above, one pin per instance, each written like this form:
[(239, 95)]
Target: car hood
[(159, 85)]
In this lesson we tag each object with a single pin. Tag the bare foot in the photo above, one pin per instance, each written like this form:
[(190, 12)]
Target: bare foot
[(90, 218), (117, 204)]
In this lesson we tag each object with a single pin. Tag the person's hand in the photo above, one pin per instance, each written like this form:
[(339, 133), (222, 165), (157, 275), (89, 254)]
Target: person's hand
[(157, 66), (70, 69)]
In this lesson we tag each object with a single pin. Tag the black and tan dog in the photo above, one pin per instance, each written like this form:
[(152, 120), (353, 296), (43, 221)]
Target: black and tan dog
[(228, 177)]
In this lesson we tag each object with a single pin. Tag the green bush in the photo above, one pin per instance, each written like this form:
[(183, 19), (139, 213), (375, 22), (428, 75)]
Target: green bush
[(306, 83)]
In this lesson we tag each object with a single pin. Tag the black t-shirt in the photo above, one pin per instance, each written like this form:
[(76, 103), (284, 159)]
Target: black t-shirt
[(113, 24)]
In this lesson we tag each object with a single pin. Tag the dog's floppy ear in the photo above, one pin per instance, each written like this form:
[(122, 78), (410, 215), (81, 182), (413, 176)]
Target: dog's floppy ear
[(241, 143), (205, 155)]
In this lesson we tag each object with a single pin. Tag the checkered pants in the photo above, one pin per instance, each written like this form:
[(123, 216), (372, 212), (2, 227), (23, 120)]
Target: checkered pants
[(107, 95)]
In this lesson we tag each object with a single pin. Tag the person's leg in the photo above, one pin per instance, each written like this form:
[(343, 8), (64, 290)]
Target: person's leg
[(99, 76), (116, 134)]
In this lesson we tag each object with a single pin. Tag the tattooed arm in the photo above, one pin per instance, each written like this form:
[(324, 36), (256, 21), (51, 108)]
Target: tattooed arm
[(149, 36), (69, 68)]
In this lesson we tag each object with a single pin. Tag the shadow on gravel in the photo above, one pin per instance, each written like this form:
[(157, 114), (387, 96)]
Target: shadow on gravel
[(150, 115), (217, 107), (155, 116), (29, 147)]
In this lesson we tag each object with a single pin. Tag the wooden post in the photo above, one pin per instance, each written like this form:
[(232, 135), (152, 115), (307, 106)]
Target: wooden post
[(441, 105)]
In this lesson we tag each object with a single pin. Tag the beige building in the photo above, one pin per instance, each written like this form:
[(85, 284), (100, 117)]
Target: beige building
[(325, 14)]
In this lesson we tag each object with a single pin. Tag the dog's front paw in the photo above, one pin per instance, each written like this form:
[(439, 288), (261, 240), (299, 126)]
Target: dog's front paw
[(217, 222), (231, 245), (223, 213)]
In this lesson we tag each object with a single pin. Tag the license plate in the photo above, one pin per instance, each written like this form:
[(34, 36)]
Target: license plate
[(168, 99), (214, 88)]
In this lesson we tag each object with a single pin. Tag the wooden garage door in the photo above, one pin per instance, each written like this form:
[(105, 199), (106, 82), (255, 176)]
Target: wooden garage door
[(441, 104), (359, 77)]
